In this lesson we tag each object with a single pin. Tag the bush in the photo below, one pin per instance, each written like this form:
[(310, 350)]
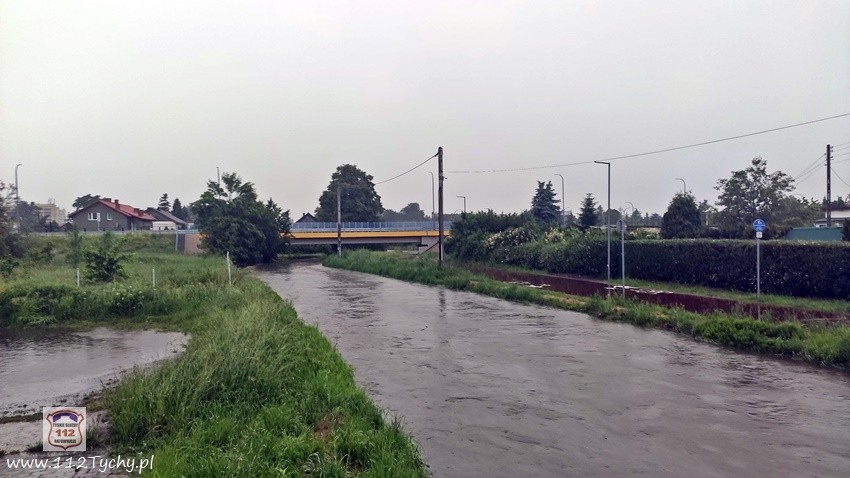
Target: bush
[(103, 261)]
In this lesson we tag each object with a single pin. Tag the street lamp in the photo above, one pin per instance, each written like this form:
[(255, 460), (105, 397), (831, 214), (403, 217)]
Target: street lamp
[(218, 176), (464, 203), (633, 208), (563, 200), (608, 215), (684, 186)]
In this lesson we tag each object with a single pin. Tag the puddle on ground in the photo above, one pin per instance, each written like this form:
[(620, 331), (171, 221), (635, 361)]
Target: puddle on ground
[(49, 367)]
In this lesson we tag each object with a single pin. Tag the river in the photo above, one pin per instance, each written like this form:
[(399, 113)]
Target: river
[(491, 388)]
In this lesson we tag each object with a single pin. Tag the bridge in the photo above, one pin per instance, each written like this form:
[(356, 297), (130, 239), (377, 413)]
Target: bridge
[(424, 234)]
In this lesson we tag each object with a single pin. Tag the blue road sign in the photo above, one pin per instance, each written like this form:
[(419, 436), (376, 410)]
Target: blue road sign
[(759, 225)]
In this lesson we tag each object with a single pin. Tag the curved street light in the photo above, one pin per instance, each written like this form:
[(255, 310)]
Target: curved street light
[(684, 186)]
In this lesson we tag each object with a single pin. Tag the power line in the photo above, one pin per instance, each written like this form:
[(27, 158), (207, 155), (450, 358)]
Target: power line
[(808, 175), (409, 170), (666, 150), (808, 168), (839, 177)]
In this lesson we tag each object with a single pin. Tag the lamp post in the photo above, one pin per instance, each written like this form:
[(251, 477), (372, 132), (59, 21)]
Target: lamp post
[(464, 203), (432, 195), (633, 208), (684, 186), (608, 216), (563, 200)]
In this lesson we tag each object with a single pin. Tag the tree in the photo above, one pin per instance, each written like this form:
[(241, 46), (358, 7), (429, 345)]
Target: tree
[(636, 219), (31, 219), (544, 206), (104, 261), (178, 210), (587, 216), (752, 193), (845, 230), (359, 201), (682, 219), (412, 212), (11, 244), (232, 219), (164, 204), (84, 200)]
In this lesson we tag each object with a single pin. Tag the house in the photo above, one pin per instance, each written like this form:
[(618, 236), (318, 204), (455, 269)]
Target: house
[(307, 217), (166, 220), (839, 215), (106, 214)]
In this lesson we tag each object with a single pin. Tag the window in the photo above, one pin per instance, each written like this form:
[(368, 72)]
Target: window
[(109, 216), (94, 216)]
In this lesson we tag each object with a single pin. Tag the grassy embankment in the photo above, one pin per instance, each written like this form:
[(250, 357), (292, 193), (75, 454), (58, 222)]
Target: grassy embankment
[(824, 305), (256, 393), (825, 345)]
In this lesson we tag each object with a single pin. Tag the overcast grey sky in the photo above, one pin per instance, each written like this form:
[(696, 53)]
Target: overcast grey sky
[(131, 99)]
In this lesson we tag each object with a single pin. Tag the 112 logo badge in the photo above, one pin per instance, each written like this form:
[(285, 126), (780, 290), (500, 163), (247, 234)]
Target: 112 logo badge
[(63, 429)]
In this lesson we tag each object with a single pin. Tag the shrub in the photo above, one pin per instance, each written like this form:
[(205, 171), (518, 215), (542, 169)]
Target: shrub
[(103, 261)]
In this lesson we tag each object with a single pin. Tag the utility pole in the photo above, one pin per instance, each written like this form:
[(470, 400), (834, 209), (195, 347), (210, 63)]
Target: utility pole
[(440, 201), (338, 220), (608, 216), (828, 186), (563, 201)]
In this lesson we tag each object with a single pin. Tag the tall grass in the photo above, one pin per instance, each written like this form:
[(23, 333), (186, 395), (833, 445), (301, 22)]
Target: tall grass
[(257, 393), (825, 345)]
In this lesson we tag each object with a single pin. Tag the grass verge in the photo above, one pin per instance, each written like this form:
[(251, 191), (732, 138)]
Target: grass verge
[(257, 393), (824, 345)]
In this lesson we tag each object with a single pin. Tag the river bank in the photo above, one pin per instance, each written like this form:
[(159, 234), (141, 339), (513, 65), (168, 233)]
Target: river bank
[(826, 345), (492, 388), (256, 392)]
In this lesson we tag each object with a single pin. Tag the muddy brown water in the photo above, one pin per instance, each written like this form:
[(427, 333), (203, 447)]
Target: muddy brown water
[(490, 388), (50, 367)]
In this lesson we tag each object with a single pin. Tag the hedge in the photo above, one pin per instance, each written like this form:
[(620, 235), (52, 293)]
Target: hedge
[(787, 268)]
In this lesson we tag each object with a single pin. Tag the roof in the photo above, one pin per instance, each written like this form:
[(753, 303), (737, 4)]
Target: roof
[(165, 216), (307, 217), (123, 209), (814, 234)]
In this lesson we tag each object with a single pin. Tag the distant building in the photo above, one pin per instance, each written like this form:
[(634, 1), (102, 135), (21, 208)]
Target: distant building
[(52, 212), (838, 217), (307, 217), (165, 220), (110, 215)]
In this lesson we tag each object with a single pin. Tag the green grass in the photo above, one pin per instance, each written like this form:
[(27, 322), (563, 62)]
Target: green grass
[(824, 345), (256, 393), (825, 305)]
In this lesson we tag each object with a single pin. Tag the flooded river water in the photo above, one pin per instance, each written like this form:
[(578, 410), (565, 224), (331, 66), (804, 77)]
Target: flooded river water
[(48, 367), (492, 388)]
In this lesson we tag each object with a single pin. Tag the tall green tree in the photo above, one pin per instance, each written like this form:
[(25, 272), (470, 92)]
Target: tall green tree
[(544, 206), (83, 200), (232, 219), (11, 243), (164, 204), (752, 193), (178, 210), (587, 216), (358, 199), (682, 219)]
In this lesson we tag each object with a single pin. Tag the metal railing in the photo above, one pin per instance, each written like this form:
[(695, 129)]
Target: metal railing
[(370, 226)]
